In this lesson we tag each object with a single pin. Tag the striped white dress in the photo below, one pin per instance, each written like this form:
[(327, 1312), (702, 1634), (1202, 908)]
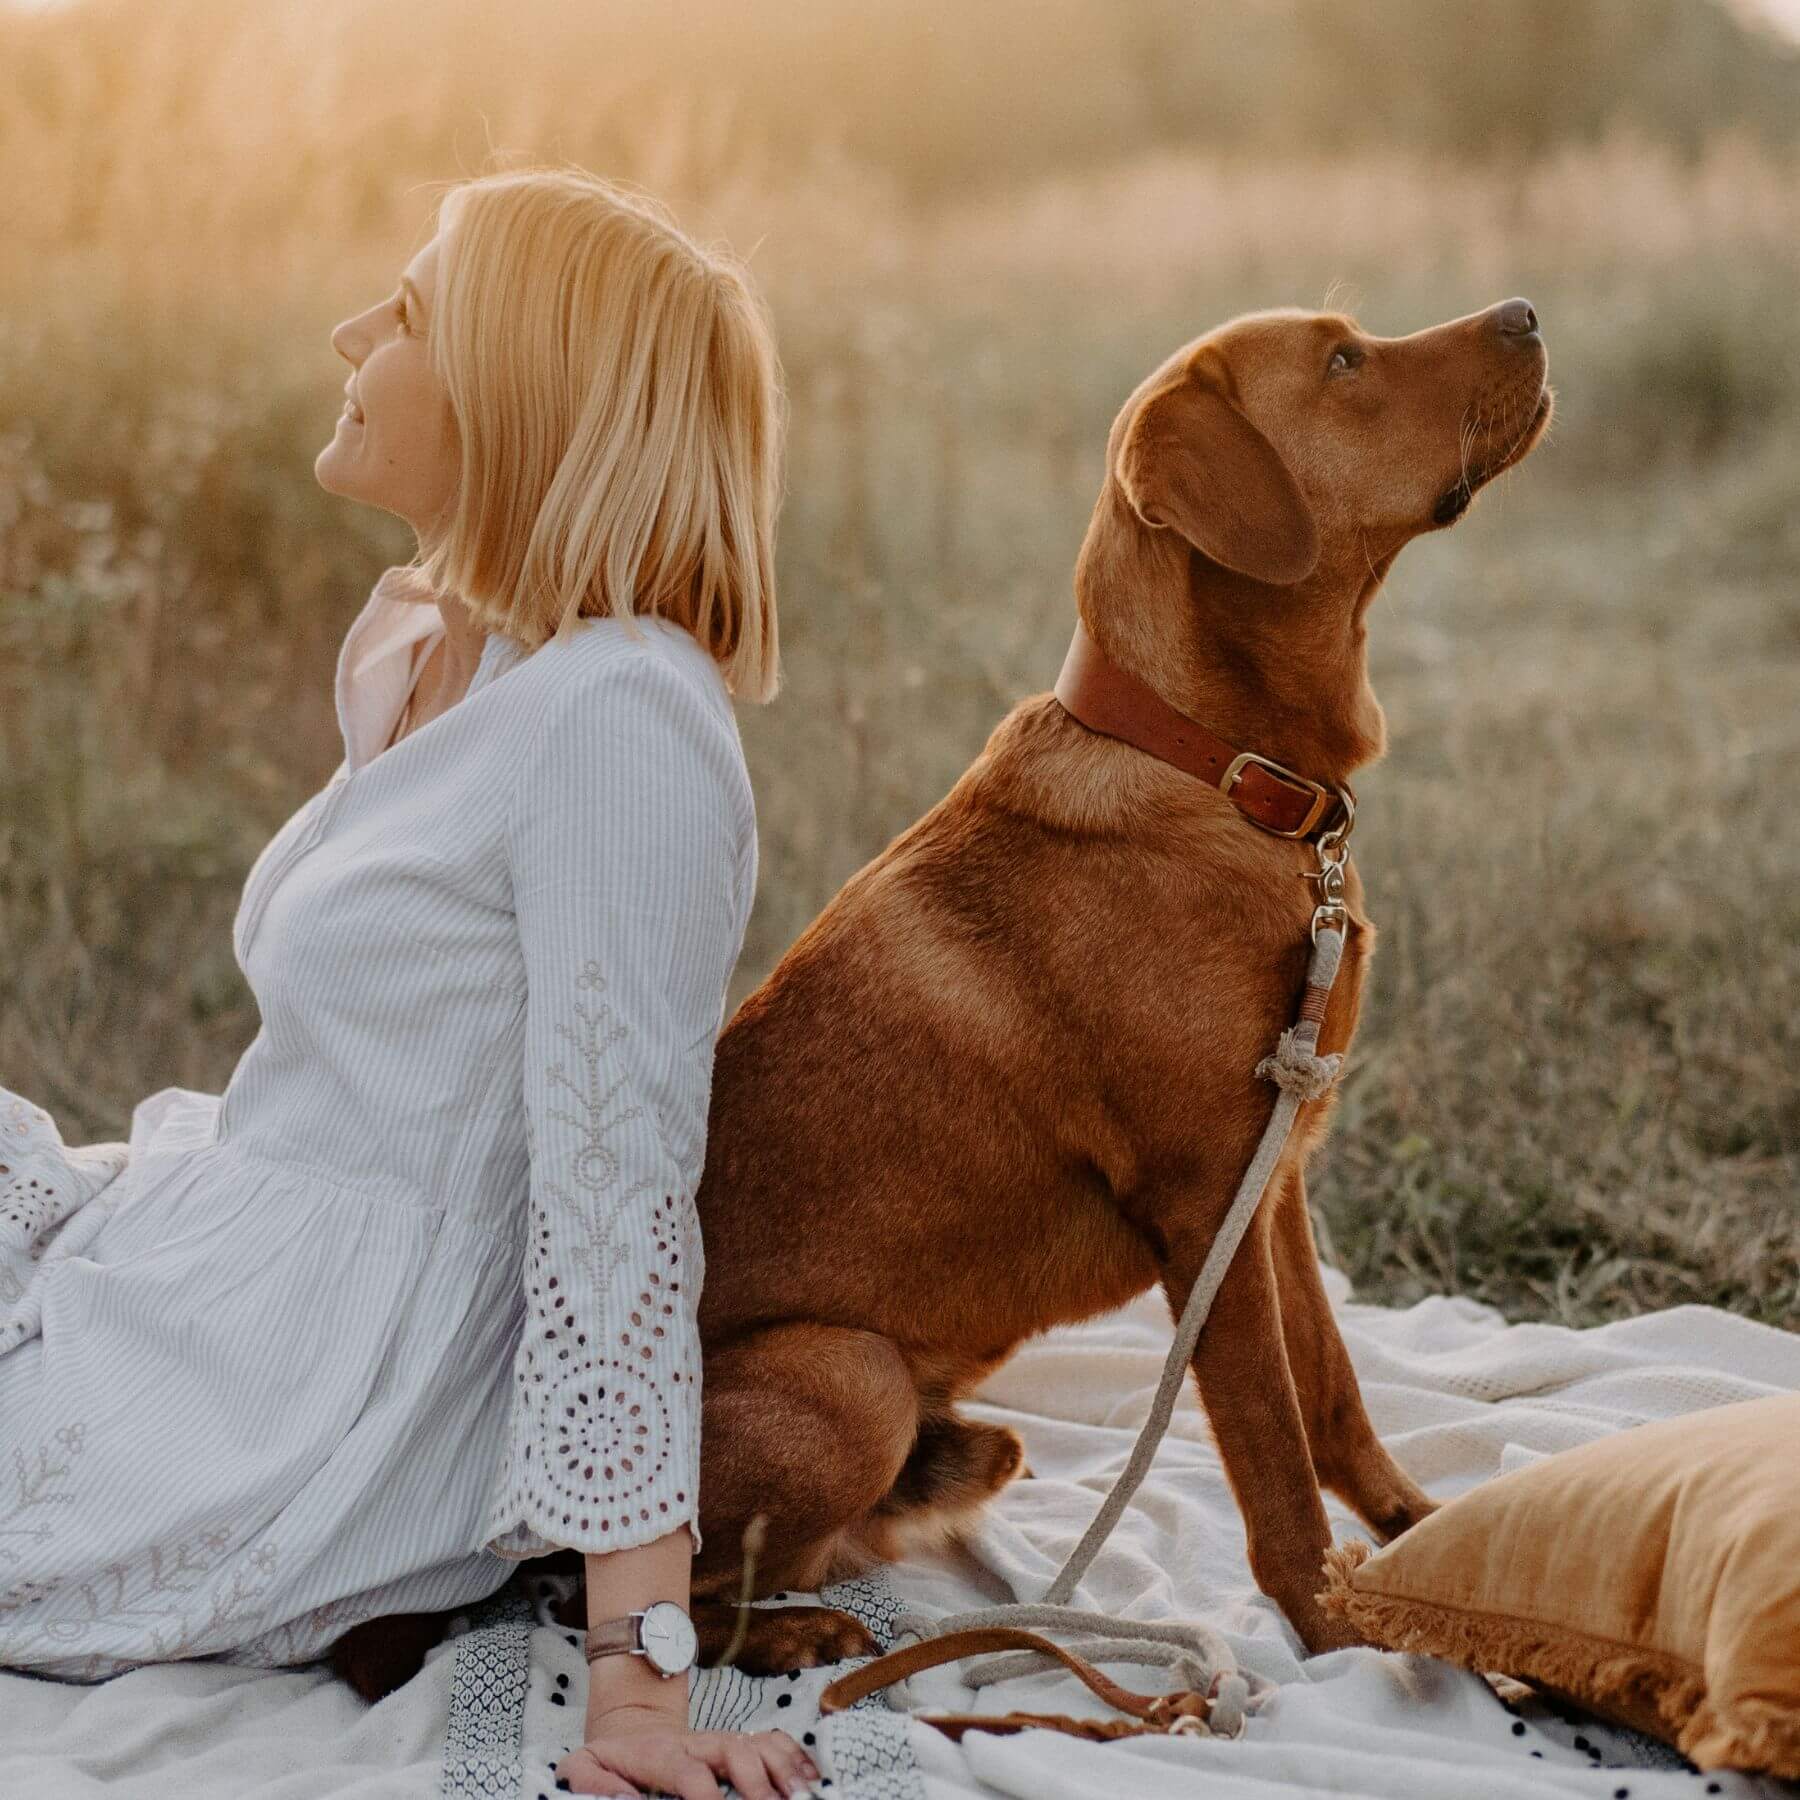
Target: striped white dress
[(415, 1296)]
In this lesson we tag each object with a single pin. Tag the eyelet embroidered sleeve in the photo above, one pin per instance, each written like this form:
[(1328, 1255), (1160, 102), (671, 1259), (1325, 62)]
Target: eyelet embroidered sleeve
[(623, 833)]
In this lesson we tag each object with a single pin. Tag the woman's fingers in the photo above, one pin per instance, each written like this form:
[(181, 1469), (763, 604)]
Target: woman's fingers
[(587, 1774), (742, 1759), (786, 1760), (763, 1765), (693, 1780)]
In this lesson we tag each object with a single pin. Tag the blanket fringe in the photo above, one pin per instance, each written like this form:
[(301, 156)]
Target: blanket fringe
[(1759, 1735)]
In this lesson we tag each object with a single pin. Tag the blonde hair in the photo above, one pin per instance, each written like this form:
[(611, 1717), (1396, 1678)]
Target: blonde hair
[(618, 400)]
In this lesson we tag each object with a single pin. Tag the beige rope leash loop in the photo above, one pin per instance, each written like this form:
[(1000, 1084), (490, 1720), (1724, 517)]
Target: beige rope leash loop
[(1201, 1657)]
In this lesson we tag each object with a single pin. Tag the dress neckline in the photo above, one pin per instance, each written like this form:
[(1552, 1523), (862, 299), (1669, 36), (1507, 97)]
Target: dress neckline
[(377, 669), (420, 657)]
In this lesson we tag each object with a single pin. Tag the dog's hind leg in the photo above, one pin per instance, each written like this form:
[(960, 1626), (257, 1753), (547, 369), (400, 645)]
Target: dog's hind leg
[(954, 1468), (809, 1426), (1348, 1457)]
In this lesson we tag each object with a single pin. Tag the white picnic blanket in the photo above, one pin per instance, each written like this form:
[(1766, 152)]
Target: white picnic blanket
[(1456, 1393)]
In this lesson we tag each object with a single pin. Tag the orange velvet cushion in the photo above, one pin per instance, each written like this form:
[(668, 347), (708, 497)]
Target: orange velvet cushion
[(1653, 1577)]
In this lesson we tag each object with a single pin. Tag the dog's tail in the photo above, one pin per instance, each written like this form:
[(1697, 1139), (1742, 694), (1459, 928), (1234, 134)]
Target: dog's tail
[(955, 1468)]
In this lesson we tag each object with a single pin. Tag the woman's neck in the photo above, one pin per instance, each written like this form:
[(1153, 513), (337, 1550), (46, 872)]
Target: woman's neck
[(462, 644)]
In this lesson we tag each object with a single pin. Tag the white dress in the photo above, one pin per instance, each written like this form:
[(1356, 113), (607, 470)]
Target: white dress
[(415, 1296)]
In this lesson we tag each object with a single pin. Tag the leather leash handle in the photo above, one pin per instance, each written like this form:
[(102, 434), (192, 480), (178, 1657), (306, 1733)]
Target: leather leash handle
[(1152, 1712), (1099, 1731)]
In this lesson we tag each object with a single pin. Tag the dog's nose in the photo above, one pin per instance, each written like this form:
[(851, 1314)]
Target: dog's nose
[(1514, 318)]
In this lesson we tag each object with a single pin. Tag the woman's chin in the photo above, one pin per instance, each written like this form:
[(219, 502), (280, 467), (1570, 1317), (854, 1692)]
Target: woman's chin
[(330, 471)]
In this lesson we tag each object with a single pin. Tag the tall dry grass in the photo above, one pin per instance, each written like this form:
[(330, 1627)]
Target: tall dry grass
[(1574, 1092)]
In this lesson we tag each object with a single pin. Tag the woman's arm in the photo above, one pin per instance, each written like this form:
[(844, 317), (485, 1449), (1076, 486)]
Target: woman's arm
[(626, 1581), (621, 849), (621, 845)]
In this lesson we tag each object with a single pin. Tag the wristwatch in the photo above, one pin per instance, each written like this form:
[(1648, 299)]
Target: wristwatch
[(662, 1634)]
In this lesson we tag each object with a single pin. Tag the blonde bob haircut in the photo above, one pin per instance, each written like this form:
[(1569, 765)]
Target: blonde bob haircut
[(618, 401)]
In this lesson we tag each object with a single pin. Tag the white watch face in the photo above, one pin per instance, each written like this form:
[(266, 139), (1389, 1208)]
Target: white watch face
[(667, 1636)]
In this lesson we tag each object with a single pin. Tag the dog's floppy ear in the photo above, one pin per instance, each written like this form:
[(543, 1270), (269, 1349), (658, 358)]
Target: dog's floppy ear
[(1191, 460)]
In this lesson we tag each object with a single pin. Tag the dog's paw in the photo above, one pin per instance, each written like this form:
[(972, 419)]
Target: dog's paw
[(1320, 1632), (1403, 1518), (780, 1638)]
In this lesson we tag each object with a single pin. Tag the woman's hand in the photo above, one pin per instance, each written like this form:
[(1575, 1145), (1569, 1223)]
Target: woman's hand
[(634, 1750), (638, 1740)]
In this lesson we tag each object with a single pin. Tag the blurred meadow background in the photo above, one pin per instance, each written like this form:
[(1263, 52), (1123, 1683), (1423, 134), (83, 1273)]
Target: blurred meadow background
[(1575, 1089)]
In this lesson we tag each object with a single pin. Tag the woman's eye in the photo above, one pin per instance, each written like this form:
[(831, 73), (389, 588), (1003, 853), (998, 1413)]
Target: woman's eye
[(1345, 356), (400, 314)]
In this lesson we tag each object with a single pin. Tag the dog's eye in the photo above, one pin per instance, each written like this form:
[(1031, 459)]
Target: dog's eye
[(1344, 358)]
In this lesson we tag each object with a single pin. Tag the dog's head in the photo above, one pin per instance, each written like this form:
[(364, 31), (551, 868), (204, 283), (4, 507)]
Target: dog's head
[(1293, 446)]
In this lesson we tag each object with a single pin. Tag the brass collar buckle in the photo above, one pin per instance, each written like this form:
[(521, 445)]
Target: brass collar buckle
[(1322, 795), (1333, 846)]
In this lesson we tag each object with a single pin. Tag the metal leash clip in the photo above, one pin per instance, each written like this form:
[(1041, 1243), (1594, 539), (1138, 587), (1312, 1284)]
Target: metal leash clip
[(1331, 914)]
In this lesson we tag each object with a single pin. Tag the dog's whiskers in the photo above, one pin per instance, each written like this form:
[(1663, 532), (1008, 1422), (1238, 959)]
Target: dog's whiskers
[(1466, 440), (1362, 541)]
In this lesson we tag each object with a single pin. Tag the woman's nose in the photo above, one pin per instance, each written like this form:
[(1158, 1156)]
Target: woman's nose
[(346, 340)]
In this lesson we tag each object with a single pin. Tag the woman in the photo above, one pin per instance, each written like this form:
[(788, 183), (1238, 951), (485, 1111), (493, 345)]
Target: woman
[(414, 1298)]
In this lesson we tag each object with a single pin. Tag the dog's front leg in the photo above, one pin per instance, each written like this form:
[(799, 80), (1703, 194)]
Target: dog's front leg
[(1348, 1457), (1247, 1389)]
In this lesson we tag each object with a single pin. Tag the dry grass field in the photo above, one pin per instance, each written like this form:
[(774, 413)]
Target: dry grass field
[(1575, 1092)]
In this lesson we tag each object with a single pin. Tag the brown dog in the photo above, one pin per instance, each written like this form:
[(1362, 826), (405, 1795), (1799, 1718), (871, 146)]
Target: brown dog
[(1005, 1080)]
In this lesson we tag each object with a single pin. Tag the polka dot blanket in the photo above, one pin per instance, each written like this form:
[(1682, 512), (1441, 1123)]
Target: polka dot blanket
[(517, 1701)]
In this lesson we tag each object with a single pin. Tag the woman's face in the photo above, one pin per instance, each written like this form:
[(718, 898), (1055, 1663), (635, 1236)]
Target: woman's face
[(395, 445)]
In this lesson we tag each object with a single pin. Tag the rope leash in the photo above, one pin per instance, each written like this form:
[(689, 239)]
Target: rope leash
[(1217, 1695)]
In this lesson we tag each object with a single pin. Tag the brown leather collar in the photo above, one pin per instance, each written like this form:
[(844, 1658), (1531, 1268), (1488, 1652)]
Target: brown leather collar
[(1113, 701)]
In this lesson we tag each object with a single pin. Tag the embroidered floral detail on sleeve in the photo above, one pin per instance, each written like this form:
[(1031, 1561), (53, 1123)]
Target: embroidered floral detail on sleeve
[(594, 1168), (593, 1377)]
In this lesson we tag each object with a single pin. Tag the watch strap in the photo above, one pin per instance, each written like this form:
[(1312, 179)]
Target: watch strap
[(614, 1637)]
